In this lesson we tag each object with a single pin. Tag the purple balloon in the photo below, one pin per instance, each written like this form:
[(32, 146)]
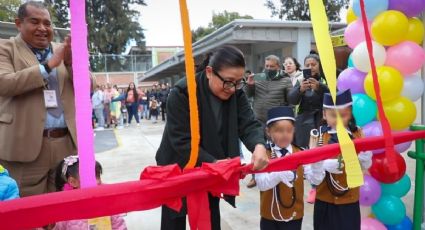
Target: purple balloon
[(400, 148), (352, 79), (410, 8), (370, 191), (373, 129)]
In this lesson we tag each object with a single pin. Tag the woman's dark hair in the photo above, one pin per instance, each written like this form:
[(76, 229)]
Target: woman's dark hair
[(72, 170), (136, 95), (223, 57), (314, 55), (297, 64)]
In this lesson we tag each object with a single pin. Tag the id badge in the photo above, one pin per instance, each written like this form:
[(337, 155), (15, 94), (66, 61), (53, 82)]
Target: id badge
[(100, 223), (50, 100)]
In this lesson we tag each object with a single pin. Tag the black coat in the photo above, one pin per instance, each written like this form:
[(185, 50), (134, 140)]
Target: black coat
[(310, 111), (238, 123)]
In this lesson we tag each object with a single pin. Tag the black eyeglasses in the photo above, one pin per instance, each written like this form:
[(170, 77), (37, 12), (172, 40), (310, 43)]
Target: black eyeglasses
[(228, 85)]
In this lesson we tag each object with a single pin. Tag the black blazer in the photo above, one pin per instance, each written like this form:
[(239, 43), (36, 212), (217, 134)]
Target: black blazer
[(238, 123)]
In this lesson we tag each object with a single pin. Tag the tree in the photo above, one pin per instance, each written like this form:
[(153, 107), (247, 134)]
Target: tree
[(8, 10), (298, 10), (217, 21), (112, 24)]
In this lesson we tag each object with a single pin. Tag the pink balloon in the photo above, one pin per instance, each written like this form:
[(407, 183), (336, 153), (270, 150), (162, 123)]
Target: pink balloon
[(408, 57), (354, 34), (371, 224), (352, 79)]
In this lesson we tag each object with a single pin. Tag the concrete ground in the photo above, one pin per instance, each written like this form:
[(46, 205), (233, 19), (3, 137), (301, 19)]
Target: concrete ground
[(133, 148)]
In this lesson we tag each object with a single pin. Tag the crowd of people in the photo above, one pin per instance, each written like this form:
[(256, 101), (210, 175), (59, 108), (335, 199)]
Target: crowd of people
[(115, 108), (275, 113)]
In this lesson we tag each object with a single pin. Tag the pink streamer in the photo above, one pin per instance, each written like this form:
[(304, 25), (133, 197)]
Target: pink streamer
[(83, 107)]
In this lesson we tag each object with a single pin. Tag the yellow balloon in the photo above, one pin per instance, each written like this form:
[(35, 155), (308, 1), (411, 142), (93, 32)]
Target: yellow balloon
[(401, 113), (415, 32), (351, 16), (390, 82), (390, 27)]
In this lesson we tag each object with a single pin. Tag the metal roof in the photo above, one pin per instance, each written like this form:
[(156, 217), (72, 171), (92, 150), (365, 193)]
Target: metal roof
[(228, 34)]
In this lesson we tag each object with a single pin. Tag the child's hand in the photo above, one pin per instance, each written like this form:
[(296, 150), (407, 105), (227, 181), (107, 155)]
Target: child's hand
[(365, 159), (332, 166), (287, 178)]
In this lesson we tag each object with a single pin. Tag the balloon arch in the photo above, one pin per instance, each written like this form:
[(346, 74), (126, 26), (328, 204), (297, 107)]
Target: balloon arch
[(385, 56)]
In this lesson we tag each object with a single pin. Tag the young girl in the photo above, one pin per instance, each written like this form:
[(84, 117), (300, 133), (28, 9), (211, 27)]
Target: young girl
[(154, 109), (67, 179), (337, 206), (282, 192)]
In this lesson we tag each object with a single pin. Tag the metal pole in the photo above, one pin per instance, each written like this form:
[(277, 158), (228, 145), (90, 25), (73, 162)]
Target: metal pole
[(419, 156)]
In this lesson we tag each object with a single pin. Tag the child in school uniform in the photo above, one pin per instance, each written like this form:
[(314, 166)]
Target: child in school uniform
[(281, 198), (337, 206)]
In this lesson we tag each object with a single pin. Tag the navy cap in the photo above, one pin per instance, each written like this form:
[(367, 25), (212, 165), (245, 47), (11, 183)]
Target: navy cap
[(280, 113), (343, 100)]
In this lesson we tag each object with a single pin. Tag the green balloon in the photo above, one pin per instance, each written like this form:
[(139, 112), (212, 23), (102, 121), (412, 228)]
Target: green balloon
[(390, 210), (364, 109), (399, 188)]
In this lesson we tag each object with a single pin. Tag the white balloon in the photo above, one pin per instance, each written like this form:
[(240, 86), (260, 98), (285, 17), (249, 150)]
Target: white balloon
[(361, 56), (413, 87)]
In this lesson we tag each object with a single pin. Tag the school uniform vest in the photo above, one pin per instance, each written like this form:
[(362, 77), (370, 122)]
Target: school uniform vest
[(327, 191), (291, 205)]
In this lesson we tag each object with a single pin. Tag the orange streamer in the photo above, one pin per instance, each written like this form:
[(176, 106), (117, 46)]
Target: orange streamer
[(191, 85)]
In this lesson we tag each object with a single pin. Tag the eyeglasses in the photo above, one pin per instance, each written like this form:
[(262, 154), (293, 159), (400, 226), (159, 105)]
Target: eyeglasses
[(228, 85)]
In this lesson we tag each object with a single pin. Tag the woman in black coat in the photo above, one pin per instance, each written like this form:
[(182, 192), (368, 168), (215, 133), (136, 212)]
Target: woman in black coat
[(308, 96), (225, 116)]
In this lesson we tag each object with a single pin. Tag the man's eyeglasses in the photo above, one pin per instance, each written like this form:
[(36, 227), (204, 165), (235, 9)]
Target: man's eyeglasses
[(228, 85)]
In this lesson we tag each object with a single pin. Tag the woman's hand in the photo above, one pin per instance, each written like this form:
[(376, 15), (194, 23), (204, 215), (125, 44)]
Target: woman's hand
[(314, 84), (305, 85), (260, 158)]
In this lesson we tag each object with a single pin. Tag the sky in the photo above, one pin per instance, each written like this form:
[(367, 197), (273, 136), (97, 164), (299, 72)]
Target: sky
[(161, 18)]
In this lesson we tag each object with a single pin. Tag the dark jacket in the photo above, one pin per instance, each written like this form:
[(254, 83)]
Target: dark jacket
[(163, 95), (309, 114), (238, 123)]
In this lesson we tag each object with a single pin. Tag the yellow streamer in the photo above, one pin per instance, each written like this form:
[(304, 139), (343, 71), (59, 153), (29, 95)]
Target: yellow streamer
[(191, 85), (324, 46)]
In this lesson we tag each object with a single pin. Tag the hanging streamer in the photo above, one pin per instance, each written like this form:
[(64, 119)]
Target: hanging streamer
[(386, 129), (191, 85), (83, 107), (325, 48)]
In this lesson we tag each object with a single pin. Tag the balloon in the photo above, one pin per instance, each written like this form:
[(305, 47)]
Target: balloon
[(351, 17), (405, 224), (370, 191), (354, 33), (408, 57), (415, 32), (403, 146), (364, 109), (350, 63), (389, 210), (380, 171), (390, 27), (390, 82), (373, 129), (371, 224), (401, 113), (410, 8), (351, 79), (372, 8), (361, 57), (399, 188), (413, 87)]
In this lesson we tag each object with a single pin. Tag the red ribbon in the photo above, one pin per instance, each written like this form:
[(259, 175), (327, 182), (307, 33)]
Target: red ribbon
[(386, 129), (164, 185)]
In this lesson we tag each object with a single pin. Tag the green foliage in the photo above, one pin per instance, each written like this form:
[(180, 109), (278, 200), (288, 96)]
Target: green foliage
[(297, 10), (8, 10), (217, 21)]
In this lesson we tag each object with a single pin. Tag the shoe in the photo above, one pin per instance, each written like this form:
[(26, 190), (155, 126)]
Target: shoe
[(252, 183), (126, 125), (311, 196), (138, 124)]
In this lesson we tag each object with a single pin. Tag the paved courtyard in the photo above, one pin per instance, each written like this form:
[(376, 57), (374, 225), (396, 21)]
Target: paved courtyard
[(124, 153)]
